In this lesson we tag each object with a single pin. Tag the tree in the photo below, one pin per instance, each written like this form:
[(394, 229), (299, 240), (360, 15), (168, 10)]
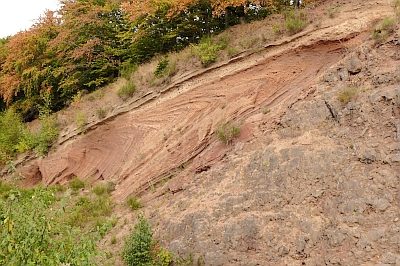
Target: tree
[(27, 66)]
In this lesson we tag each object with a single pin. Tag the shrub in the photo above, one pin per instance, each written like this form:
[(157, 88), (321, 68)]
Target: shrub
[(226, 131), (347, 95), (139, 246), (161, 68), (127, 90), (206, 51), (134, 203), (11, 132), (100, 190), (76, 184), (47, 134), (387, 27)]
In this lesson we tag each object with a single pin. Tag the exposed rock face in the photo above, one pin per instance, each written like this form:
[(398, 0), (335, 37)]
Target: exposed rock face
[(321, 188), (313, 182)]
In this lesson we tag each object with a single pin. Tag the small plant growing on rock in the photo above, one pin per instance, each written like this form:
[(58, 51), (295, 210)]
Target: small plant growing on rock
[(101, 113), (347, 95), (387, 27), (226, 131), (333, 11)]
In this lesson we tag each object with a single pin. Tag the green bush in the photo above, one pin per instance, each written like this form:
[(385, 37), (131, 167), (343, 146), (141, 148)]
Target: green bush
[(47, 134), (127, 90), (162, 67), (12, 132), (206, 52), (226, 131), (76, 184), (139, 246)]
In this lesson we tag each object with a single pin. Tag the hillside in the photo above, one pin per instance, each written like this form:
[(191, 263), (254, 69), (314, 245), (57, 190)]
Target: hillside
[(312, 177)]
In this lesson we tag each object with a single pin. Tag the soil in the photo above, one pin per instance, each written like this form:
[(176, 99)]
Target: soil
[(310, 180)]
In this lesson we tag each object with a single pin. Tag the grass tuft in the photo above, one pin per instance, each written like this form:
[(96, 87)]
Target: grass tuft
[(347, 95)]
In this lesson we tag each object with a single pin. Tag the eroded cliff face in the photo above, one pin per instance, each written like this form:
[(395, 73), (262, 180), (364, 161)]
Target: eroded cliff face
[(312, 181), (318, 185)]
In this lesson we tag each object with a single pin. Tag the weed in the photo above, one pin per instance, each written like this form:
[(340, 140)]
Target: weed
[(396, 7), (387, 27), (110, 186), (333, 11), (347, 95), (128, 69), (59, 188), (80, 120), (134, 203), (223, 40), (226, 131), (277, 29), (232, 52), (76, 184), (295, 21), (113, 240), (100, 190), (127, 90), (101, 113), (151, 185), (91, 211), (266, 110), (98, 94)]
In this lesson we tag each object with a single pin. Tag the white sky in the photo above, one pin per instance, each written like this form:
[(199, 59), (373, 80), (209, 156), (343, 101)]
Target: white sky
[(16, 15)]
